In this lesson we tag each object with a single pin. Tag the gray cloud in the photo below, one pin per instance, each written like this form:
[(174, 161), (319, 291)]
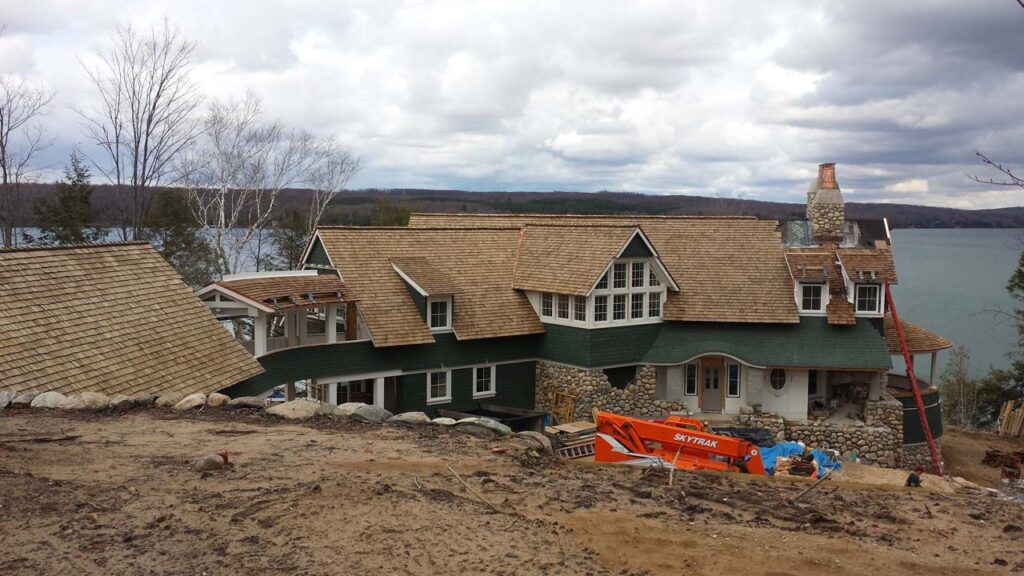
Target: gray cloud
[(728, 98)]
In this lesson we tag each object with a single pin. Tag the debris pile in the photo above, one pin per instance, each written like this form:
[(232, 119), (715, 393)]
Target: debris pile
[(573, 439)]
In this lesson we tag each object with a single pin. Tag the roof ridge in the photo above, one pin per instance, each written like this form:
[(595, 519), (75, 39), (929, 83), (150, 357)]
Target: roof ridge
[(417, 229), (571, 215), (8, 249)]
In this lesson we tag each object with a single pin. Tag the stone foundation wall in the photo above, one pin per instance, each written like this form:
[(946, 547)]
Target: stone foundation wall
[(915, 455), (592, 390), (878, 440)]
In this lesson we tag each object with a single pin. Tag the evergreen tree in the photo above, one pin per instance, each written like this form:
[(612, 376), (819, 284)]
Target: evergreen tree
[(174, 232), (290, 237), (71, 219)]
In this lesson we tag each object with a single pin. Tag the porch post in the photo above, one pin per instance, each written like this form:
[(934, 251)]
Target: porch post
[(931, 374), (332, 324), (289, 328), (875, 387), (351, 321), (259, 334), (301, 325), (378, 392), (332, 393)]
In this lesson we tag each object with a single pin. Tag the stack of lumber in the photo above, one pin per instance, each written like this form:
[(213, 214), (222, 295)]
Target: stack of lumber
[(795, 466), (1011, 420), (998, 458), (573, 439)]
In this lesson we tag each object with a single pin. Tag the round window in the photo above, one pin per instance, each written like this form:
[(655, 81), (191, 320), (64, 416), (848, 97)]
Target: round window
[(777, 379)]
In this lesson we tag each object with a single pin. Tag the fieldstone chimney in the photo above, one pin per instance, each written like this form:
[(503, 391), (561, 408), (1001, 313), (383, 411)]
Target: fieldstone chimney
[(825, 207)]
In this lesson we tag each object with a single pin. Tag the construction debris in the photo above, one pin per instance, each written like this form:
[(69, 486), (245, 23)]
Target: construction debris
[(573, 439), (1011, 420)]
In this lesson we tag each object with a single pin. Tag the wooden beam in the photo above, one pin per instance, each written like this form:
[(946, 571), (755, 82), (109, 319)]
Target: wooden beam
[(351, 321)]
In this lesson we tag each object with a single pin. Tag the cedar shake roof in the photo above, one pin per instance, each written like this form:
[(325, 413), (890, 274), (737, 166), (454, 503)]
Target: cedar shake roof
[(840, 311), (567, 259), (283, 292), (110, 318), (861, 263), (811, 265), (919, 340), (729, 269), (478, 262), (425, 274)]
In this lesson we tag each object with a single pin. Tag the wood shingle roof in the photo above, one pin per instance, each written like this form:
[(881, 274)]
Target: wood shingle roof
[(567, 259), (282, 292), (729, 269), (113, 318)]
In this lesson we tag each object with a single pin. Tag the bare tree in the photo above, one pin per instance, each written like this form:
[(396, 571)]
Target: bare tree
[(21, 139), (146, 117), (1008, 178), (242, 163), (329, 178)]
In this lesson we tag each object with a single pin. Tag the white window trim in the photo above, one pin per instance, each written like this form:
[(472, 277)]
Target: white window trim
[(448, 379), (739, 383), (696, 379), (880, 302), (494, 382), (448, 324), (799, 295)]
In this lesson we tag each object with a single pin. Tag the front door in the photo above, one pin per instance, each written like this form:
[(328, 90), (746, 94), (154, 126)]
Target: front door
[(711, 395)]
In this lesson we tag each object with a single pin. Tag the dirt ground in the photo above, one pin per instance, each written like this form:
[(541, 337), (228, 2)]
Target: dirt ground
[(962, 451), (108, 494)]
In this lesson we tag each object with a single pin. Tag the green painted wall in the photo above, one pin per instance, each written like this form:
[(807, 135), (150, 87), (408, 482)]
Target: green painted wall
[(419, 299), (317, 255), (913, 432), (599, 347), (636, 249), (514, 382)]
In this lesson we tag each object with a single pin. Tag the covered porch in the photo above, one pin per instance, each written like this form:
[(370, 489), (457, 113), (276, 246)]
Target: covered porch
[(920, 342), (272, 311)]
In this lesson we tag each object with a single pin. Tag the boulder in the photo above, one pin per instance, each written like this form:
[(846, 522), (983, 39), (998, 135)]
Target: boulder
[(191, 402), (145, 399), (443, 421), (85, 401), (347, 408), (209, 462), (295, 410), (24, 400), (48, 400), (217, 399), (5, 398), (410, 418), (168, 399), (121, 401), (540, 441), (483, 427), (243, 402), (370, 413)]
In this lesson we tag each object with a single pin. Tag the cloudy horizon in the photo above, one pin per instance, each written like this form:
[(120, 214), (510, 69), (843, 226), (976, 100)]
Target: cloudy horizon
[(714, 99)]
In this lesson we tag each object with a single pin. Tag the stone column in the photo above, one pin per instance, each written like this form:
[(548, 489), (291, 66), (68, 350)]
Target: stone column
[(875, 387)]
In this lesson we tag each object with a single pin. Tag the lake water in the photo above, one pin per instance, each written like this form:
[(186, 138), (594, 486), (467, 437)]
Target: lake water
[(951, 281)]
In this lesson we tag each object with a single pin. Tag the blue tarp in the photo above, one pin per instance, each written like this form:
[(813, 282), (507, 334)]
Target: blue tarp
[(786, 449)]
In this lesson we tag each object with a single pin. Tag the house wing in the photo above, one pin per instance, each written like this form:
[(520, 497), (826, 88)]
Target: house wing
[(113, 318)]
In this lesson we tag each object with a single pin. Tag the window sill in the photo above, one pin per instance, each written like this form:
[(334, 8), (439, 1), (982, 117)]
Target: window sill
[(442, 329), (484, 395), (439, 401)]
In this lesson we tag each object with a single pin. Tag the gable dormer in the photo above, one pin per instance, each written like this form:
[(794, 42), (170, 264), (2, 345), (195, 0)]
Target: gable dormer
[(431, 288)]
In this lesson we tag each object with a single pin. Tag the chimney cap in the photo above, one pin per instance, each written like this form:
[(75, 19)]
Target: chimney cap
[(827, 176)]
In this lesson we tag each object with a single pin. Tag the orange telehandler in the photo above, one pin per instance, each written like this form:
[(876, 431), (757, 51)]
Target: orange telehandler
[(674, 441)]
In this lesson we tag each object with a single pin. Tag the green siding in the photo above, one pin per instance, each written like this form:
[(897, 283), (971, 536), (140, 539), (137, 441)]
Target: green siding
[(419, 299), (913, 432), (354, 358), (597, 347), (514, 382), (813, 343), (317, 254), (636, 248)]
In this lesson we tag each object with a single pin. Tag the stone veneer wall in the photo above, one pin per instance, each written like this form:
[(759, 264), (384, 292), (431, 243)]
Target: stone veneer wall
[(915, 455), (827, 219), (879, 439), (592, 390)]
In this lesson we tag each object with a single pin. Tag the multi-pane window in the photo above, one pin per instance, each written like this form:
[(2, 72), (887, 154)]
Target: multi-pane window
[(546, 304), (868, 298), (636, 305), (602, 284), (652, 278), (483, 381), (619, 307), (437, 387), (600, 308), (810, 297), (579, 309), (619, 275), (637, 274), (690, 379), (563, 306), (733, 387), (439, 314), (654, 305)]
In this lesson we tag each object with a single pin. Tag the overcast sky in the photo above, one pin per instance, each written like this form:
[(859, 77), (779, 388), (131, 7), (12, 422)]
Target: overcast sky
[(711, 98)]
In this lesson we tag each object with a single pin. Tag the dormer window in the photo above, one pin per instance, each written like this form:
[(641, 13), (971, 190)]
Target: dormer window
[(439, 313), (868, 298), (619, 275), (812, 297)]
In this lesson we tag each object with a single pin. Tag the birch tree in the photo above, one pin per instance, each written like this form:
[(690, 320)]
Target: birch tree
[(21, 139), (146, 117), (242, 163)]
